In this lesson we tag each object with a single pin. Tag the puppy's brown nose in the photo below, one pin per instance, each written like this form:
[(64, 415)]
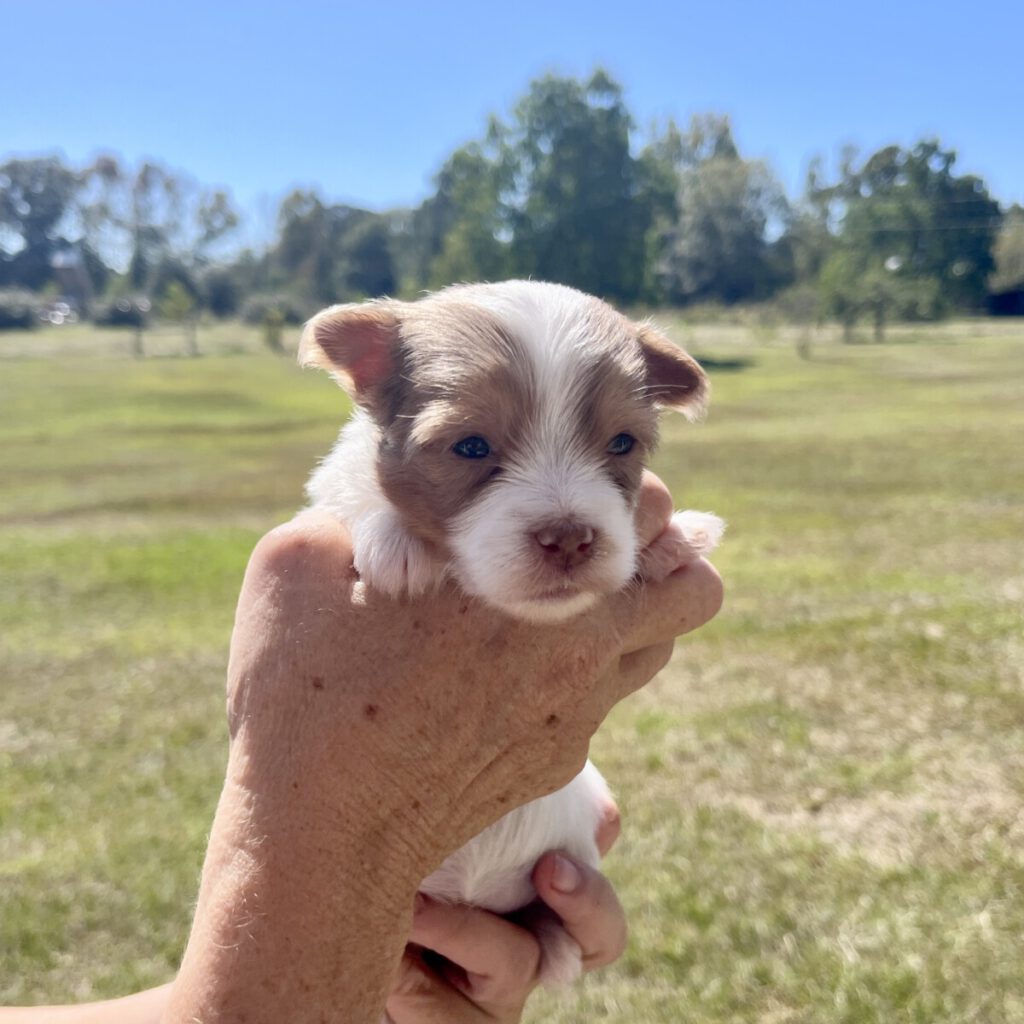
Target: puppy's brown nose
[(566, 544)]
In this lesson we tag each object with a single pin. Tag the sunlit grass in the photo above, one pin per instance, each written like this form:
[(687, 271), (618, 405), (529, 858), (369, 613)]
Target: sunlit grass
[(823, 794)]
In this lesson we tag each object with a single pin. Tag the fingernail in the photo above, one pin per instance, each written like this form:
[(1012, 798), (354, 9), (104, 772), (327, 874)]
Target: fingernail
[(567, 878)]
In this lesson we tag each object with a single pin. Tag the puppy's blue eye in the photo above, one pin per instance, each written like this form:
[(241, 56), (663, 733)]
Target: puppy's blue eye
[(472, 448), (620, 444)]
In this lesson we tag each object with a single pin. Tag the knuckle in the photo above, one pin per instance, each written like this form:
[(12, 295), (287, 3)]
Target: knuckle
[(611, 948), (447, 921), (306, 541), (663, 654), (516, 976), (522, 967), (620, 940)]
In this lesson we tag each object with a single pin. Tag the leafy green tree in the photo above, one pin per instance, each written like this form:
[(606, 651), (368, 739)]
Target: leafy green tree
[(216, 217), (854, 286), (331, 253), (808, 239), (717, 245), (367, 264), (154, 215), (1008, 253), (174, 270), (903, 212), (36, 200), (463, 224), (178, 305), (220, 291), (303, 242), (571, 190)]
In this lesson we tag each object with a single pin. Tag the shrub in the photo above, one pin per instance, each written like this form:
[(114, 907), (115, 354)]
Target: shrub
[(124, 311), (18, 309), (258, 309), (220, 292)]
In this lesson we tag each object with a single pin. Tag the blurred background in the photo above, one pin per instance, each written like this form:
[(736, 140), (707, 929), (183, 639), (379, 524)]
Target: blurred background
[(823, 793)]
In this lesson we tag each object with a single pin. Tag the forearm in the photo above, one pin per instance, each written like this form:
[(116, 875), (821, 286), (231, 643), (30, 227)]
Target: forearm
[(141, 1008), (294, 924)]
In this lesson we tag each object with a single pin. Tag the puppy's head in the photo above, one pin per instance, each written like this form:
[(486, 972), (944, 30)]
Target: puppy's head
[(515, 420)]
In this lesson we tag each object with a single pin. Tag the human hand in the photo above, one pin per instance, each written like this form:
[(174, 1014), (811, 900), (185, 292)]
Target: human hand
[(370, 738), (454, 713), (491, 965)]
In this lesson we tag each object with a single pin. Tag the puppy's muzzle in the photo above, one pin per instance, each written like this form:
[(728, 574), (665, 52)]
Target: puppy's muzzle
[(566, 545)]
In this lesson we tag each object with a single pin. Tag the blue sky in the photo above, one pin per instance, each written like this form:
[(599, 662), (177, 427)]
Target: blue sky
[(365, 100)]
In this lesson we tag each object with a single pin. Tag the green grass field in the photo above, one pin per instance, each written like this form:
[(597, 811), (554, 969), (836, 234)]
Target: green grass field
[(823, 794)]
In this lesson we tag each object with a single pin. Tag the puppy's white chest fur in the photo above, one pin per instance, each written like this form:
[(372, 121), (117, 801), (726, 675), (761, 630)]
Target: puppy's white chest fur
[(499, 439)]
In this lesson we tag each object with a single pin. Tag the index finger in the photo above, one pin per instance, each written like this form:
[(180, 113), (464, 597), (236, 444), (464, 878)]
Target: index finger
[(656, 612), (654, 509)]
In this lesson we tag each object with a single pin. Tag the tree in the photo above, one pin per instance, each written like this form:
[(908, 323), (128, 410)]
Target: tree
[(179, 306), (1008, 253), (453, 235), (331, 253), (220, 291), (570, 189), (852, 287), (919, 237), (717, 246), (36, 200), (367, 268), (808, 239), (140, 221), (302, 249), (215, 217), (155, 215), (462, 224)]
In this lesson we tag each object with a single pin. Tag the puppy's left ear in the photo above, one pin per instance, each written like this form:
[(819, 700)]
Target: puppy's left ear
[(674, 378), (357, 344)]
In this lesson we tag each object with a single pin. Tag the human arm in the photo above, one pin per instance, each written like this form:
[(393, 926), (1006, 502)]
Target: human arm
[(369, 739), (492, 963)]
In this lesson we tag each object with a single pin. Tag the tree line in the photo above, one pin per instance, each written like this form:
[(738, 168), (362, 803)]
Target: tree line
[(560, 190)]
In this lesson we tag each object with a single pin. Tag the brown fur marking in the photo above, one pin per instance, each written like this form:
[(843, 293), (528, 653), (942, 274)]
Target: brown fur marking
[(674, 378)]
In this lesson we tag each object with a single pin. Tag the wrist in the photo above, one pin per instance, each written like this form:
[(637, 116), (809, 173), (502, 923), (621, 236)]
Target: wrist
[(329, 828), (294, 915)]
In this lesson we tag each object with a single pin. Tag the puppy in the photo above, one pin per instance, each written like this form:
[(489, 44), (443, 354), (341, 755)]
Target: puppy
[(499, 438)]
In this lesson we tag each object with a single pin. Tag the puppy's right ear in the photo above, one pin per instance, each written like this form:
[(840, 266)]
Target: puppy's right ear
[(356, 344)]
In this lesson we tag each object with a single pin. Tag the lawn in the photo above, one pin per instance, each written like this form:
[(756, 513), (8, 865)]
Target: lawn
[(823, 793)]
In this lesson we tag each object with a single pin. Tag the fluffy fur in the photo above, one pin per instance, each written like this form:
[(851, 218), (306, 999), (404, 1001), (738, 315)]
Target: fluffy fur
[(488, 447)]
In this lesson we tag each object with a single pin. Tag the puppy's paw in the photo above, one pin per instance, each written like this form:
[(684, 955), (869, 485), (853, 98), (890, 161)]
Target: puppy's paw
[(688, 536), (561, 959), (392, 560), (702, 532)]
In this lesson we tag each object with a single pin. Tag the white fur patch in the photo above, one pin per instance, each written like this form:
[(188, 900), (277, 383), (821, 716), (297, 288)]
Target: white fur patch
[(690, 535), (497, 558)]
